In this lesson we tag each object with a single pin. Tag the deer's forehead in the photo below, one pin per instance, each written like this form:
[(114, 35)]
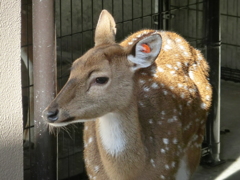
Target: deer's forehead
[(99, 57)]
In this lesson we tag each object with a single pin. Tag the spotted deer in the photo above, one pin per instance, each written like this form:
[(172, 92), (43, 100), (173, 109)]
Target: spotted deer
[(144, 104)]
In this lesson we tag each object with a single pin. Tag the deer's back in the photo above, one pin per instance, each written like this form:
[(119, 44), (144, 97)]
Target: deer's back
[(173, 100)]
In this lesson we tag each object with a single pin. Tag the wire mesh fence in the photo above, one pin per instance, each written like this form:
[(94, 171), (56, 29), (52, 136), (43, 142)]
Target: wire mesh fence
[(75, 24), (230, 16)]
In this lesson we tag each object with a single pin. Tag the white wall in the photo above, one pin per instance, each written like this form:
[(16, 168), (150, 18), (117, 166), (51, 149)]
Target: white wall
[(11, 150)]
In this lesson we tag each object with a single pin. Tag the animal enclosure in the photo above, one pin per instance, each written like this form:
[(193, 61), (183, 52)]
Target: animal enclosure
[(75, 24)]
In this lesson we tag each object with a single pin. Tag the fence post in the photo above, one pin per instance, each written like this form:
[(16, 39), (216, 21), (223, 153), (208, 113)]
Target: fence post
[(213, 32), (44, 65), (163, 14)]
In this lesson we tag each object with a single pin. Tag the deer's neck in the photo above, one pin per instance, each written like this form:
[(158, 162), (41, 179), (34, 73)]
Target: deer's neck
[(117, 130)]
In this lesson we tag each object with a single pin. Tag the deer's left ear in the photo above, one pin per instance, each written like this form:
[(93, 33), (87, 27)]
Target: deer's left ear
[(145, 52)]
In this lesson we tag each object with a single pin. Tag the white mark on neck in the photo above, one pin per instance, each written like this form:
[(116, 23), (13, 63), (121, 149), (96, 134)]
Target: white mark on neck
[(112, 133)]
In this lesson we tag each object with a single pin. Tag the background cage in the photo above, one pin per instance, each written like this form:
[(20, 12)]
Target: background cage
[(75, 23)]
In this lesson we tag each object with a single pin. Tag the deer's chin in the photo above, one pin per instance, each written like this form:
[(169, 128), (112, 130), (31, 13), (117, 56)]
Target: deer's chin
[(61, 124)]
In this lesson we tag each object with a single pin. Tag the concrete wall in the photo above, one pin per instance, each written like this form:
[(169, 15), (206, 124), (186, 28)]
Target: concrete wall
[(11, 150)]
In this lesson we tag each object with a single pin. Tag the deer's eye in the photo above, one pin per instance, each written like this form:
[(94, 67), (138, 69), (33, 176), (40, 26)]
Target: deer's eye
[(101, 80)]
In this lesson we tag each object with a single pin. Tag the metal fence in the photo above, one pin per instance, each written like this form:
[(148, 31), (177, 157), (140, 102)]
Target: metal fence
[(230, 16), (75, 23)]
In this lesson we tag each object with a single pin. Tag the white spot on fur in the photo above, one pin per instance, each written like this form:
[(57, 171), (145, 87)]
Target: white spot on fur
[(181, 47), (203, 106), (169, 41), (180, 85), (178, 40), (192, 90), (90, 140), (182, 95), (186, 54), (146, 89), (167, 166), (150, 121), (169, 66), (112, 133), (141, 81), (165, 92), (208, 98), (189, 103), (179, 64), (175, 141), (199, 56), (175, 118), (167, 47), (195, 137), (96, 169), (162, 177), (130, 43), (165, 141), (160, 69), (191, 75), (163, 151), (172, 72), (154, 85), (141, 104), (153, 163)]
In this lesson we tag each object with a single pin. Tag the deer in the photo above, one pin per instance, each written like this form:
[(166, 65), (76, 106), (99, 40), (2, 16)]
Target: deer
[(144, 104)]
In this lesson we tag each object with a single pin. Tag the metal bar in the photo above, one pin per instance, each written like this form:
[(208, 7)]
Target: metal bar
[(214, 58), (44, 87), (160, 14)]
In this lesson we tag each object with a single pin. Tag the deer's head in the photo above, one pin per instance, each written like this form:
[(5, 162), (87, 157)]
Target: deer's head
[(102, 80)]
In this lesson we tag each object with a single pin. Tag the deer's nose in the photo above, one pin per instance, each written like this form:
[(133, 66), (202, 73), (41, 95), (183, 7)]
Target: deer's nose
[(52, 115)]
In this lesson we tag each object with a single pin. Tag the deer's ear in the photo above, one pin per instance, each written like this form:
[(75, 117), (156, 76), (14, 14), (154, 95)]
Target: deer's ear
[(145, 51), (106, 29)]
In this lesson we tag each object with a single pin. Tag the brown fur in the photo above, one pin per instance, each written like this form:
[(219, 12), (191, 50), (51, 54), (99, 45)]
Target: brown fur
[(163, 111)]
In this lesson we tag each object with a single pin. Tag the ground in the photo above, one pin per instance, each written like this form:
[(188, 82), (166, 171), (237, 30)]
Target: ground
[(230, 141)]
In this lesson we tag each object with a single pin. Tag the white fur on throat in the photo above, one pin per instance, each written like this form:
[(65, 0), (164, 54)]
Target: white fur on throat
[(183, 171), (112, 133)]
